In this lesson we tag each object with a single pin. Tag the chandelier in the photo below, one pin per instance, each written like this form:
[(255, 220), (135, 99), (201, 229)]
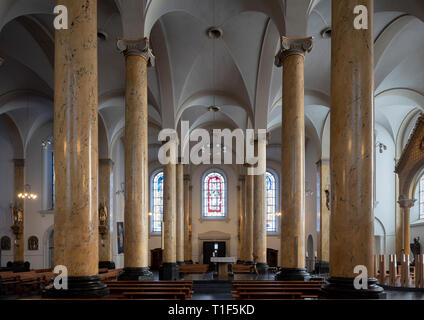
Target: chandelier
[(27, 194)]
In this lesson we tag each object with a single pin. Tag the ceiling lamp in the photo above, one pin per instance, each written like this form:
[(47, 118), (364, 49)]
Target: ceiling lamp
[(27, 194)]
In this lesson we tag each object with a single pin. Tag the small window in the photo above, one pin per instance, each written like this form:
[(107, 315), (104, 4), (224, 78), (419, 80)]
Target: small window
[(271, 202), (156, 202), (214, 195)]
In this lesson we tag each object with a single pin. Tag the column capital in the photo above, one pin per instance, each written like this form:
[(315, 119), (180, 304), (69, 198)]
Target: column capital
[(139, 47), (406, 203), (290, 46), (19, 162)]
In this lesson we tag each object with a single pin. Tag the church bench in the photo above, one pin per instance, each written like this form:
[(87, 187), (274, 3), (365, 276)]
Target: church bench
[(152, 295), (168, 285), (30, 282), (9, 282), (118, 291), (241, 268), (269, 295), (193, 268), (162, 282)]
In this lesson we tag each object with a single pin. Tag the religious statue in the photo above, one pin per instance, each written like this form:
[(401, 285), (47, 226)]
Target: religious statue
[(415, 248), (102, 219), (5, 243), (18, 215), (18, 220), (33, 243), (327, 198)]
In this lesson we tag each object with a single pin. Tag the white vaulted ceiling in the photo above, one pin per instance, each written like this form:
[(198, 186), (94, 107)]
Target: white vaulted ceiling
[(192, 72)]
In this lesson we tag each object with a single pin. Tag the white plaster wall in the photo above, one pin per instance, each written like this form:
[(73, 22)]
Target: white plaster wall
[(385, 196), (6, 189)]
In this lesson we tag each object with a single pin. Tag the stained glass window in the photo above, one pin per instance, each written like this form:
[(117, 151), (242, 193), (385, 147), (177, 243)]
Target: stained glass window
[(52, 182), (156, 202), (271, 203), (214, 195), (422, 197)]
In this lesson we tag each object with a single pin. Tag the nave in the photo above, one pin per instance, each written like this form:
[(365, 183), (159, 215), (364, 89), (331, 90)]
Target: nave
[(125, 138)]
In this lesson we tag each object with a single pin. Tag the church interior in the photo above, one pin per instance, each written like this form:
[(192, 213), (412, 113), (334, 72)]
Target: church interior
[(94, 94)]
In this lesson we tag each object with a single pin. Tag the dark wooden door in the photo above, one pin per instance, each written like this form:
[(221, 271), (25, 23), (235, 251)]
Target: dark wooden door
[(156, 258), (211, 247), (272, 257)]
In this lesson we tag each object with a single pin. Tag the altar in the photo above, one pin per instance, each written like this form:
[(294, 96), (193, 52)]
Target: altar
[(223, 263)]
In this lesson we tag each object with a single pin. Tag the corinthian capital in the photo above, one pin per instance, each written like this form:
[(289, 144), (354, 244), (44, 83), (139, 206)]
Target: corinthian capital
[(140, 47), (291, 46)]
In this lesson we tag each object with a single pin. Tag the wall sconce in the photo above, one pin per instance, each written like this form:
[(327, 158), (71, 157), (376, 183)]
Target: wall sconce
[(122, 190), (381, 146)]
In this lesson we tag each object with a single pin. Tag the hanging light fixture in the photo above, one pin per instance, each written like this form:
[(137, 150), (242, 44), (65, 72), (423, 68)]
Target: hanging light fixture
[(27, 194)]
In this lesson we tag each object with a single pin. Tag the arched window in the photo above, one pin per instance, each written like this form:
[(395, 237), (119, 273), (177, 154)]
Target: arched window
[(49, 176), (271, 194), (421, 191), (156, 202), (214, 195)]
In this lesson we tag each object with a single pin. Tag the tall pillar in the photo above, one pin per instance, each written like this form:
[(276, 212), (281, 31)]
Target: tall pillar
[(19, 216), (351, 153), (323, 256), (259, 227), (292, 58), (187, 238), (105, 237), (75, 150), (406, 205), (248, 239), (180, 213), (242, 217), (138, 57), (169, 270)]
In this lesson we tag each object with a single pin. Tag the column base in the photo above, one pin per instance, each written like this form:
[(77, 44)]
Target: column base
[(188, 261), (168, 271), (262, 267), (342, 288), (136, 274), (322, 267), (292, 274), (106, 264), (89, 287), (181, 263), (19, 266)]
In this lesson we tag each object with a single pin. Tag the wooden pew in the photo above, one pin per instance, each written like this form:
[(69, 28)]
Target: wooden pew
[(242, 268), (392, 270), (270, 295), (154, 295), (119, 291), (405, 273), (419, 271), (193, 268), (382, 269), (9, 282)]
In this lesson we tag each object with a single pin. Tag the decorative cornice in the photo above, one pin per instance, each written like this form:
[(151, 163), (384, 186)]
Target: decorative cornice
[(290, 46), (407, 149), (139, 47)]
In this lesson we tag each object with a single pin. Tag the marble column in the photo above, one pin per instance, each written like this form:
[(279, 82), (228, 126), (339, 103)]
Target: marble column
[(406, 205), (19, 210), (105, 237), (292, 58), (180, 213), (169, 269), (187, 227), (351, 153), (138, 57), (76, 152), (242, 216), (323, 255), (250, 212), (259, 221)]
